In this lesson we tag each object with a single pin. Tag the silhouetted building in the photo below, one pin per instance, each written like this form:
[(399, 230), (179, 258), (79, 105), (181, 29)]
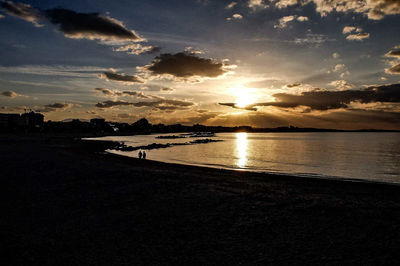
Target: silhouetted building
[(32, 119), (10, 120), (142, 125), (98, 121)]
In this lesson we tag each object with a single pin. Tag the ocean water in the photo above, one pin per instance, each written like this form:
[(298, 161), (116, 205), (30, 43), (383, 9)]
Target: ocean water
[(350, 155)]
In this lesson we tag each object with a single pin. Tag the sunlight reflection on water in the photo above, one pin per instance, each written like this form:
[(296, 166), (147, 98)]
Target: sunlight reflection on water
[(364, 155), (241, 148)]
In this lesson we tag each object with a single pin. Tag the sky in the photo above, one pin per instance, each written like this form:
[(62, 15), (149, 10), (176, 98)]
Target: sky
[(261, 63)]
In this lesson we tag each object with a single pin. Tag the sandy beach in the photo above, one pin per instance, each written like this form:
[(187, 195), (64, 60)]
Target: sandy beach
[(66, 202)]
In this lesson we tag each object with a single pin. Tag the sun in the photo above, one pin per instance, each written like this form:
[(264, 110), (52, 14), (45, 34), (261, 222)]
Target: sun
[(244, 96)]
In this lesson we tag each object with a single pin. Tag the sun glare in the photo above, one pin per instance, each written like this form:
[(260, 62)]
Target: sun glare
[(244, 96)]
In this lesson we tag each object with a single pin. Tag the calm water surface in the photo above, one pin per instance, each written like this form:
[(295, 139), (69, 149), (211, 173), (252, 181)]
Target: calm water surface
[(366, 156)]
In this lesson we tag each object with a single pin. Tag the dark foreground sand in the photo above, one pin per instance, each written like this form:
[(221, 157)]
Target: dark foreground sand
[(64, 203)]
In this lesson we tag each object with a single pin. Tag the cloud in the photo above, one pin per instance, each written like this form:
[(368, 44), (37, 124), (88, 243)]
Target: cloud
[(394, 70), (257, 4), (161, 104), (395, 64), (302, 18), (58, 105), (335, 55), (137, 94), (393, 53), (185, 65), (349, 29), (109, 104), (283, 22), (376, 9), (23, 11), (285, 3), (1, 16), (192, 50), (233, 105), (117, 93), (10, 94), (73, 24), (138, 49), (313, 39), (358, 36), (231, 5), (325, 100), (380, 8), (120, 77), (373, 9), (90, 25), (339, 67), (293, 85), (341, 85), (60, 70), (235, 17), (166, 89), (104, 91), (54, 107)]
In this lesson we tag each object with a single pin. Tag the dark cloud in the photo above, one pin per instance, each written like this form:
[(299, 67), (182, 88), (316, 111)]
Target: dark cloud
[(58, 105), (89, 25), (137, 94), (293, 85), (10, 94), (339, 119), (120, 77), (393, 53), (233, 105), (394, 70), (104, 91), (165, 104), (325, 100), (74, 24), (54, 107), (109, 104), (166, 89), (23, 11), (162, 104), (185, 65)]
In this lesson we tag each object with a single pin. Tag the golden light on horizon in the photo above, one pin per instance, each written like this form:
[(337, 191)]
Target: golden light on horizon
[(241, 149)]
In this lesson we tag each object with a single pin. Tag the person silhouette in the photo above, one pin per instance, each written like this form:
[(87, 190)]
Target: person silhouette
[(144, 155), (140, 154)]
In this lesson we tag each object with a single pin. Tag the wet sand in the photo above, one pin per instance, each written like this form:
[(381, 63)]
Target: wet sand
[(65, 202)]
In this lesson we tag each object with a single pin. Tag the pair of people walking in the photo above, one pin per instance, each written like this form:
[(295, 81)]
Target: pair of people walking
[(142, 155)]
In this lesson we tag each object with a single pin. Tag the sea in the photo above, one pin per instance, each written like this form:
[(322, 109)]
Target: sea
[(354, 156)]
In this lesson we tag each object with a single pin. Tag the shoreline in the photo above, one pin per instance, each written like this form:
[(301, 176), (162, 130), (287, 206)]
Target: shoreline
[(215, 170), (277, 174), (67, 202), (266, 173), (221, 167)]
